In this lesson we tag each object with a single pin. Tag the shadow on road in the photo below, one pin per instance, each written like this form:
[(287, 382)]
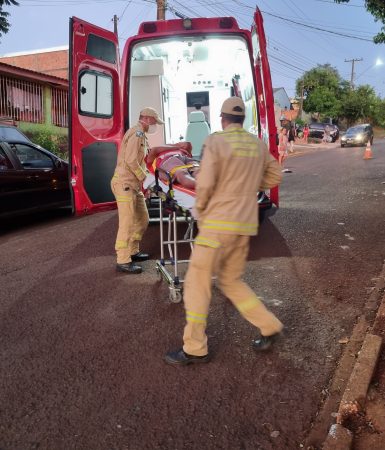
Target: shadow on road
[(40, 218), (269, 243)]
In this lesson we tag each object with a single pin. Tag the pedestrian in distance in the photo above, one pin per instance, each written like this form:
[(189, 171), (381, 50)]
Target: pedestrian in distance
[(126, 184), (282, 145), (326, 136), (291, 138), (305, 133), (235, 165)]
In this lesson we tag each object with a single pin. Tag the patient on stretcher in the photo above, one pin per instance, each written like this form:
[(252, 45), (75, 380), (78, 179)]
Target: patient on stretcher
[(174, 161)]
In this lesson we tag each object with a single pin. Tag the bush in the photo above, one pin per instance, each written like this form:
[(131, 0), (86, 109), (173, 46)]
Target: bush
[(55, 143)]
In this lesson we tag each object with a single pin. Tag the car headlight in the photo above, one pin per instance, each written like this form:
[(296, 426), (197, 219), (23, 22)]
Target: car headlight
[(359, 137), (343, 138)]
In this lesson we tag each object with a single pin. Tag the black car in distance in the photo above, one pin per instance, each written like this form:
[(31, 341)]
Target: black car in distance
[(317, 130), (31, 178)]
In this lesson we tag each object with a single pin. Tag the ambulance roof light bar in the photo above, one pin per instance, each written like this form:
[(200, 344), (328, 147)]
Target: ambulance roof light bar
[(175, 25)]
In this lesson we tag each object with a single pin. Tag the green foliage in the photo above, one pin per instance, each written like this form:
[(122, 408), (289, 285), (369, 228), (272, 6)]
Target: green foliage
[(360, 104), (377, 9), (328, 95), (322, 87), (4, 23), (55, 143)]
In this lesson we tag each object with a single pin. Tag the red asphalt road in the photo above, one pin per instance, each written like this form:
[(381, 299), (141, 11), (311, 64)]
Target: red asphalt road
[(81, 346)]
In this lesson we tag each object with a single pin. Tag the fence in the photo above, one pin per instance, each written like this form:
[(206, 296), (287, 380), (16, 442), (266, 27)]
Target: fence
[(21, 100), (59, 107)]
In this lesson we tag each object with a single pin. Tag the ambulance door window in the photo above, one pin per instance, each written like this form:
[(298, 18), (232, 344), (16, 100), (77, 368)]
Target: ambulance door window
[(95, 94), (101, 48)]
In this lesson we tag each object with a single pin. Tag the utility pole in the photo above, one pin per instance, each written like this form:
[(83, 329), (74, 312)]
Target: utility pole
[(352, 76), (301, 101), (115, 19), (161, 9)]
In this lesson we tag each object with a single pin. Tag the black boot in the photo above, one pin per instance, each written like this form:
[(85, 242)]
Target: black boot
[(128, 268), (265, 342), (140, 257), (180, 358)]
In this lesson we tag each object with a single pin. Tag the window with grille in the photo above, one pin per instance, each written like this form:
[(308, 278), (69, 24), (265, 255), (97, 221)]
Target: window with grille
[(59, 107), (21, 100)]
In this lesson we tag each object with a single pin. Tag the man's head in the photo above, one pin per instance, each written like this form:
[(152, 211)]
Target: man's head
[(232, 111), (149, 116)]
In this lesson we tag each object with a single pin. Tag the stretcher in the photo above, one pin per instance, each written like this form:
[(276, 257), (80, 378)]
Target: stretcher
[(174, 204)]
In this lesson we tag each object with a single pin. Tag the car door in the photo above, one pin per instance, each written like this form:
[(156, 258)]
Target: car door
[(96, 125), (13, 186), (264, 89), (39, 172)]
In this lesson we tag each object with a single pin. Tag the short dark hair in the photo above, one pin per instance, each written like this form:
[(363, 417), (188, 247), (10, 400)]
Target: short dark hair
[(233, 119)]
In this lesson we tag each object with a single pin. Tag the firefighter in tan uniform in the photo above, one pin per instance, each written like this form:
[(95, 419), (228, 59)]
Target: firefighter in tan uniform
[(235, 165), (126, 184)]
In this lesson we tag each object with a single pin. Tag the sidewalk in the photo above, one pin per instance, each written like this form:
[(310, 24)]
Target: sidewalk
[(359, 407)]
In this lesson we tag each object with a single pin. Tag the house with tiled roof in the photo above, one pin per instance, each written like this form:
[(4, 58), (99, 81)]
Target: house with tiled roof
[(34, 98)]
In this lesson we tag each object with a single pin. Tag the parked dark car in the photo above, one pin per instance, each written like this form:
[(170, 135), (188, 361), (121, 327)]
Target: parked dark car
[(31, 178), (317, 130), (358, 135)]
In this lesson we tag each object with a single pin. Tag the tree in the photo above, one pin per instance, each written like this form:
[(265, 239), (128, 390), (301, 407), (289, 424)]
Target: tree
[(322, 88), (360, 104), (377, 9), (4, 24)]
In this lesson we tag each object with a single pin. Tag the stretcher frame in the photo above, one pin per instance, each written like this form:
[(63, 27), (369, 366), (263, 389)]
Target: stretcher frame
[(169, 245)]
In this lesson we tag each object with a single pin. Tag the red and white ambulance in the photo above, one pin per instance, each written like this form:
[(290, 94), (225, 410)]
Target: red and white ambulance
[(175, 66)]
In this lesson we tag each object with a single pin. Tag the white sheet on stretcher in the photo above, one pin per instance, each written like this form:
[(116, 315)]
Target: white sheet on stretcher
[(183, 198)]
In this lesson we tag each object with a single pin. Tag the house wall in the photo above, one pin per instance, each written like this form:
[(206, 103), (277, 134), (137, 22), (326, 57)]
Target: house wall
[(281, 98)]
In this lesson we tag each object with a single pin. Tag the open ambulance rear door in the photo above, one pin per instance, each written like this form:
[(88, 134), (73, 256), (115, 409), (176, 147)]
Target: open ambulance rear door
[(265, 98), (96, 125)]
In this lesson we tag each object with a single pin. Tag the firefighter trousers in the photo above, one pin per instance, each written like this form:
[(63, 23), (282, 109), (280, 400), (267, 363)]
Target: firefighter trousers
[(223, 255), (133, 221)]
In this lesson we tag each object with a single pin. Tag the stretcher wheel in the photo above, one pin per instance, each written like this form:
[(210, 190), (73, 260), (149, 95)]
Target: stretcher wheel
[(175, 296)]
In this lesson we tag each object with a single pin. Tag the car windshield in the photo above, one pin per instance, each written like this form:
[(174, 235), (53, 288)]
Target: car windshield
[(12, 134), (356, 129)]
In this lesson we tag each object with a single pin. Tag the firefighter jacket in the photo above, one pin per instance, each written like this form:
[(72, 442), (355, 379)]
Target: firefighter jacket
[(234, 167), (131, 169)]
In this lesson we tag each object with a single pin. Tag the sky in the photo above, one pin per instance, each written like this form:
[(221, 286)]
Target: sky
[(300, 33)]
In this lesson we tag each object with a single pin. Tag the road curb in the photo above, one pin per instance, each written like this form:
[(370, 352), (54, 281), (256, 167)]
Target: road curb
[(352, 405)]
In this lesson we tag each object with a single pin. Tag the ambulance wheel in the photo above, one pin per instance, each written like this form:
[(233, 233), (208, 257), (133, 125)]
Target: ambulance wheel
[(175, 296)]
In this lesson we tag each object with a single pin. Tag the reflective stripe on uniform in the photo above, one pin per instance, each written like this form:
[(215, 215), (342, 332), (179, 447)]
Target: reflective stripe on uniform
[(123, 199), (230, 226), (139, 172), (115, 177), (136, 236), (121, 244), (247, 305), (200, 240), (196, 317), (240, 141), (245, 152)]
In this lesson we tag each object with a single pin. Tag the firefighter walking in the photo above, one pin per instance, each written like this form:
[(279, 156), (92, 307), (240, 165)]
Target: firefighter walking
[(235, 165), (126, 184)]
